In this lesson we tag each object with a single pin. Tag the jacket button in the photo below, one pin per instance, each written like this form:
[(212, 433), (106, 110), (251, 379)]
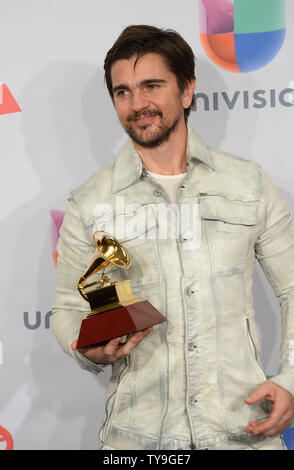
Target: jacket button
[(188, 235), (189, 292), (157, 193), (193, 347), (193, 401)]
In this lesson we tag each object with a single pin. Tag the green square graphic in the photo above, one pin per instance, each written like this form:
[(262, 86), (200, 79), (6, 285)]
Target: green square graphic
[(259, 16)]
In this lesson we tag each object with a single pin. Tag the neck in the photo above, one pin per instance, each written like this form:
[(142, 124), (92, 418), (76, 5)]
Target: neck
[(169, 158)]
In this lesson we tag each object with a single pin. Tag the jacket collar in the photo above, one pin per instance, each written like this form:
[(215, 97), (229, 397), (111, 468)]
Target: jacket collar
[(128, 165)]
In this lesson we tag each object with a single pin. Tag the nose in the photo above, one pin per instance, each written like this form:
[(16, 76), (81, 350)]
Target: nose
[(139, 101)]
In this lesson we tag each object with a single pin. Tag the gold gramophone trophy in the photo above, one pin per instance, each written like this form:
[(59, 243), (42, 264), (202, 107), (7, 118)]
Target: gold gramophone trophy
[(114, 309)]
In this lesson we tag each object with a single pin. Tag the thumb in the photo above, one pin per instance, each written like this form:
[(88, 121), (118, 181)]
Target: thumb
[(74, 345), (258, 394)]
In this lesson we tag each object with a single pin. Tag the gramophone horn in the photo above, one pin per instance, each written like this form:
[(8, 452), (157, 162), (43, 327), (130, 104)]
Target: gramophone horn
[(109, 251)]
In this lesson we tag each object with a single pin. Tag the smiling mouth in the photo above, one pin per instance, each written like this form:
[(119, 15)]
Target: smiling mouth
[(146, 117)]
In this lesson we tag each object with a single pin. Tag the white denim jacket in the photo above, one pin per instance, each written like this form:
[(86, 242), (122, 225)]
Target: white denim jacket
[(184, 385)]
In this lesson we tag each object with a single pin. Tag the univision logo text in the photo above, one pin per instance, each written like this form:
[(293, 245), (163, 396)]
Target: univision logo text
[(32, 321), (243, 99)]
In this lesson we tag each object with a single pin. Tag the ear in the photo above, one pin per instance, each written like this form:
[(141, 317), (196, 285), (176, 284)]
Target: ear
[(188, 93)]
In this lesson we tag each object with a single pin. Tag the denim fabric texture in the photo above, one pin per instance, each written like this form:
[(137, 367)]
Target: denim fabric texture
[(184, 385)]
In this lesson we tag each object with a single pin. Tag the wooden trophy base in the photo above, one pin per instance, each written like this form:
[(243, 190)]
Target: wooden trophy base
[(101, 328)]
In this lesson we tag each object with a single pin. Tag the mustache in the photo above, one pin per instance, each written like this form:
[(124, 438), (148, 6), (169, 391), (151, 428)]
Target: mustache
[(139, 114)]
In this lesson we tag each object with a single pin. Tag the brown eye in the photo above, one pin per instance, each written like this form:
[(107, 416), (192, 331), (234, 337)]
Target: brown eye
[(152, 86), (121, 93)]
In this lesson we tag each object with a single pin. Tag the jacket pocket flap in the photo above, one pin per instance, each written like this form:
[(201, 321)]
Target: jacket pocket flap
[(232, 211)]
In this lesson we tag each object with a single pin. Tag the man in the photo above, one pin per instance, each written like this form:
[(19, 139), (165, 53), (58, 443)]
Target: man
[(195, 381)]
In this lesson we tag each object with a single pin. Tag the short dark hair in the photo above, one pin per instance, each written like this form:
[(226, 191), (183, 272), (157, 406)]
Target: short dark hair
[(139, 40)]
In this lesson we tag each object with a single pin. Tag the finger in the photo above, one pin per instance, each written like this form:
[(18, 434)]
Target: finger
[(75, 348), (137, 337), (270, 426), (255, 396), (260, 428), (263, 391), (112, 346), (282, 413), (143, 333), (134, 340), (251, 428), (265, 429)]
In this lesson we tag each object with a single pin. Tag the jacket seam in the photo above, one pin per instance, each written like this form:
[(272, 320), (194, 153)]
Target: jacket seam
[(218, 336)]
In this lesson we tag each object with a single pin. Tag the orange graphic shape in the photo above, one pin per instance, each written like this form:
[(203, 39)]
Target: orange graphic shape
[(7, 102), (55, 256), (220, 48), (6, 437)]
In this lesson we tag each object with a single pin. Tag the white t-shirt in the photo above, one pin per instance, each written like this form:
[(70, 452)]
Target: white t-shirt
[(170, 183)]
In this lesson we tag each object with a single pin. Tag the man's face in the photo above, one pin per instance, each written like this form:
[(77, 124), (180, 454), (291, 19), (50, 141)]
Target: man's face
[(147, 99)]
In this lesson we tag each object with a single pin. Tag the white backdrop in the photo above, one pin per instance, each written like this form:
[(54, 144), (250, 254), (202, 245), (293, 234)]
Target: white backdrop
[(51, 59)]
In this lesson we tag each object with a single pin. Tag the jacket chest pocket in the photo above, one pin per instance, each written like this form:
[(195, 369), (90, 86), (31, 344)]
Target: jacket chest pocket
[(229, 225)]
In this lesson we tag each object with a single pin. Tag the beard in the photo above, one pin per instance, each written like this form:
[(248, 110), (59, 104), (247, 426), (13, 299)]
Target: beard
[(146, 137)]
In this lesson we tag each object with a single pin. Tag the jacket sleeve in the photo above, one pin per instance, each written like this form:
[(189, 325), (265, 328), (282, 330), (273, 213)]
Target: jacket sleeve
[(274, 250), (75, 251)]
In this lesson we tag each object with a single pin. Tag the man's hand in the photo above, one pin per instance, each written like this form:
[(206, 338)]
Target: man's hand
[(282, 414), (113, 350)]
